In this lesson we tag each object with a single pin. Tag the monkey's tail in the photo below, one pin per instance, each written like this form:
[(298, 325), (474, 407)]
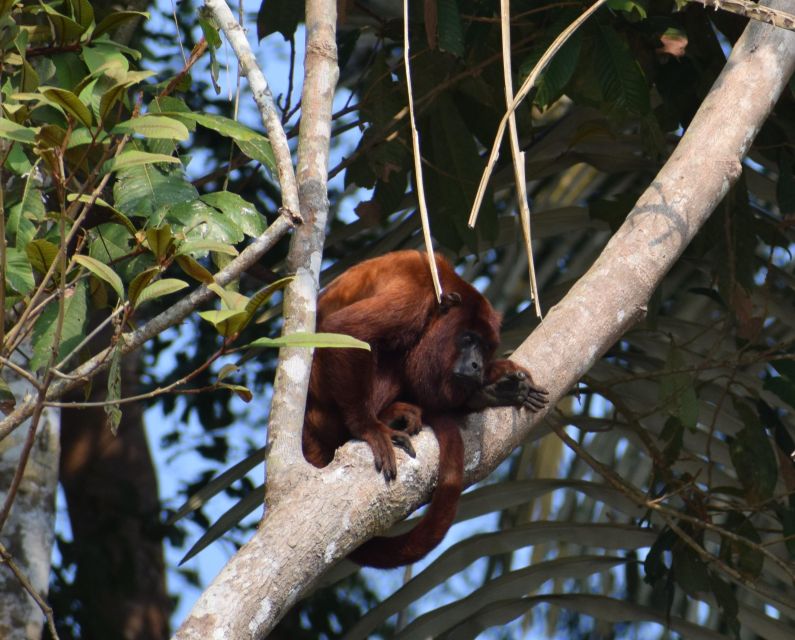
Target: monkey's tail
[(388, 552)]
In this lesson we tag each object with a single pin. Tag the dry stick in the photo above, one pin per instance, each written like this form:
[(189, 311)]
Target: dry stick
[(415, 145), (517, 154), (528, 84)]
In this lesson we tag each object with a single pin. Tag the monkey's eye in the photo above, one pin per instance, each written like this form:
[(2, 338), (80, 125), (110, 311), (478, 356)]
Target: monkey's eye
[(468, 339)]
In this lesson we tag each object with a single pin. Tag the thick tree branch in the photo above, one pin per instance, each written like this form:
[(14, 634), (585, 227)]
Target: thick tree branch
[(286, 461), (324, 517)]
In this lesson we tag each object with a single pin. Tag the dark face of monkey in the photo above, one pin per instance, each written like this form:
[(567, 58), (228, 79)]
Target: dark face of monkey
[(470, 363)]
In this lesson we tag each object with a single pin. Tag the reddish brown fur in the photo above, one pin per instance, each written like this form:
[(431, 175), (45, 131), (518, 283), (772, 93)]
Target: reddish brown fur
[(389, 302)]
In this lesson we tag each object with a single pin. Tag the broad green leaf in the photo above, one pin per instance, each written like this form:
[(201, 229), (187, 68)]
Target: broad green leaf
[(147, 190), (160, 240), (622, 80), (128, 159), (227, 322), (150, 126), (83, 12), (116, 19), (259, 150), (244, 393), (280, 16), (72, 330), (243, 213), (65, 29), (16, 132), (194, 269), (677, 389), (19, 276), (511, 585), (752, 455), (104, 272), (301, 339), (451, 37), (140, 282), (203, 246), (203, 221), (264, 294), (41, 254), (160, 288), (115, 215), (229, 299), (70, 103)]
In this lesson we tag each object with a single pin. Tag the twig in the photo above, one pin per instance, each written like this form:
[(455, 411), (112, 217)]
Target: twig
[(517, 154), (528, 84), (415, 144), (261, 92)]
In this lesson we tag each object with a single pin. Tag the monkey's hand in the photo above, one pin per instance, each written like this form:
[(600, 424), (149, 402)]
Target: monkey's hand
[(510, 386)]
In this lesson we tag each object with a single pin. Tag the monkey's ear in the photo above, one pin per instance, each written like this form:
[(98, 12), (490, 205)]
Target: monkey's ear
[(449, 300)]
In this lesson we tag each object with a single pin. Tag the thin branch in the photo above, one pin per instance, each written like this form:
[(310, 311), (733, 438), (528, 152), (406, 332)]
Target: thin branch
[(517, 155), (261, 92), (415, 145), (527, 85), (754, 11)]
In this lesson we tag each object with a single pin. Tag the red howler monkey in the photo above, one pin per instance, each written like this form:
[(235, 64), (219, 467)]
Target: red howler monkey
[(429, 362)]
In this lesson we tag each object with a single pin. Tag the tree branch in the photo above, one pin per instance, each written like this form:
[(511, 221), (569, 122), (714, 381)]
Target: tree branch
[(324, 517), (286, 460)]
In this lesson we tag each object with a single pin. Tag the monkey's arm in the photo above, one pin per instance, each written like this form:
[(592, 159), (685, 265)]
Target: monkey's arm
[(508, 385)]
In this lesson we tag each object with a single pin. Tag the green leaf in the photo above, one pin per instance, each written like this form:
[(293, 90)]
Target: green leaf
[(752, 456), (10, 130), (140, 282), (103, 272), (116, 19), (259, 150), (65, 29), (160, 288), (195, 270), (240, 133), (113, 213), (451, 36), (677, 389), (227, 322), (72, 331), (243, 213), (41, 254), (127, 159), (203, 221), (160, 240), (621, 78), (148, 190), (302, 339), (83, 12), (70, 103), (203, 246), (113, 411), (159, 127), (19, 276), (244, 393), (280, 16)]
